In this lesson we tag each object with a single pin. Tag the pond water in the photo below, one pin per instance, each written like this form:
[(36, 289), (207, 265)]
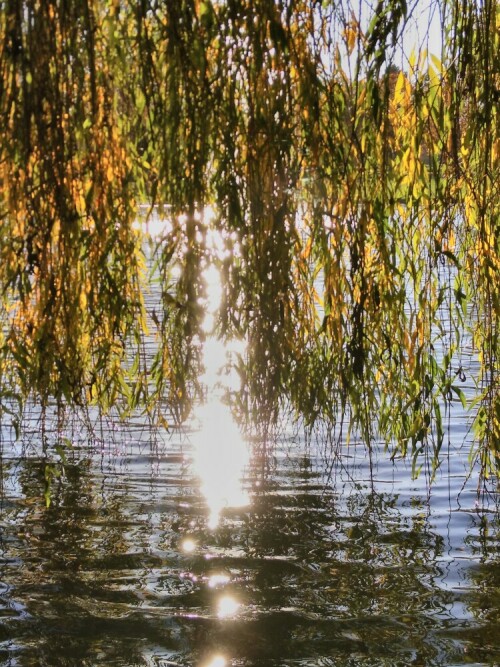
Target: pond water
[(322, 561), (192, 548)]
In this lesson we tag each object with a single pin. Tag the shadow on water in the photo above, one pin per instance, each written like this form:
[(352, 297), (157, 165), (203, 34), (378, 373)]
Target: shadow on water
[(124, 569)]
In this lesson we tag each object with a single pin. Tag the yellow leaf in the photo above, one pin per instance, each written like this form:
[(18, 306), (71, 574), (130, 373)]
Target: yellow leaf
[(437, 62), (411, 62), (56, 228), (399, 89), (350, 38), (83, 300), (307, 250)]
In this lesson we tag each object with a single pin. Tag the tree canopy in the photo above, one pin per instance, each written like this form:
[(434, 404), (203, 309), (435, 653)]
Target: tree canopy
[(355, 184)]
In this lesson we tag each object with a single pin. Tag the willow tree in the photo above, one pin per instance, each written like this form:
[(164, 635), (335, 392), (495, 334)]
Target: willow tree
[(355, 184)]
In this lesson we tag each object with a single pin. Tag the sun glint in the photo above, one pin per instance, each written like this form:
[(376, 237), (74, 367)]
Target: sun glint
[(188, 545), (216, 661), (227, 607)]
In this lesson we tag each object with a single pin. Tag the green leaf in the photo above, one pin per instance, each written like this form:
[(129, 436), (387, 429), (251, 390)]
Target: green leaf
[(460, 394)]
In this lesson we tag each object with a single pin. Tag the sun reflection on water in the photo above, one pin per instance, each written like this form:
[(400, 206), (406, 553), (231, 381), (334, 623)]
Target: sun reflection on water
[(188, 545), (216, 661), (220, 452), (227, 606), (218, 580), (220, 456)]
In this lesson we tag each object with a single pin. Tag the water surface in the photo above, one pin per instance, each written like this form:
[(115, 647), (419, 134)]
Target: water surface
[(328, 563)]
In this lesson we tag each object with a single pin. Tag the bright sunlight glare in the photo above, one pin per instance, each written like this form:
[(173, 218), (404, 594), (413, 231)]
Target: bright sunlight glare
[(218, 580), (220, 453), (216, 661), (227, 607), (188, 545)]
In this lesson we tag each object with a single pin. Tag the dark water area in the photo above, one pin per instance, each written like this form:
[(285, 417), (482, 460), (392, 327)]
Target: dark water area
[(332, 561)]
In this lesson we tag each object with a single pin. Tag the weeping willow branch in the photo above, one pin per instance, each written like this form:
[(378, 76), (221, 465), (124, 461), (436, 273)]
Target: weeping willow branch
[(355, 182)]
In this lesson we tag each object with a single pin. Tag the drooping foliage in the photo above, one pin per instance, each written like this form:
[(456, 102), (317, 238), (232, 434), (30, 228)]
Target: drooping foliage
[(353, 165), (70, 258)]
